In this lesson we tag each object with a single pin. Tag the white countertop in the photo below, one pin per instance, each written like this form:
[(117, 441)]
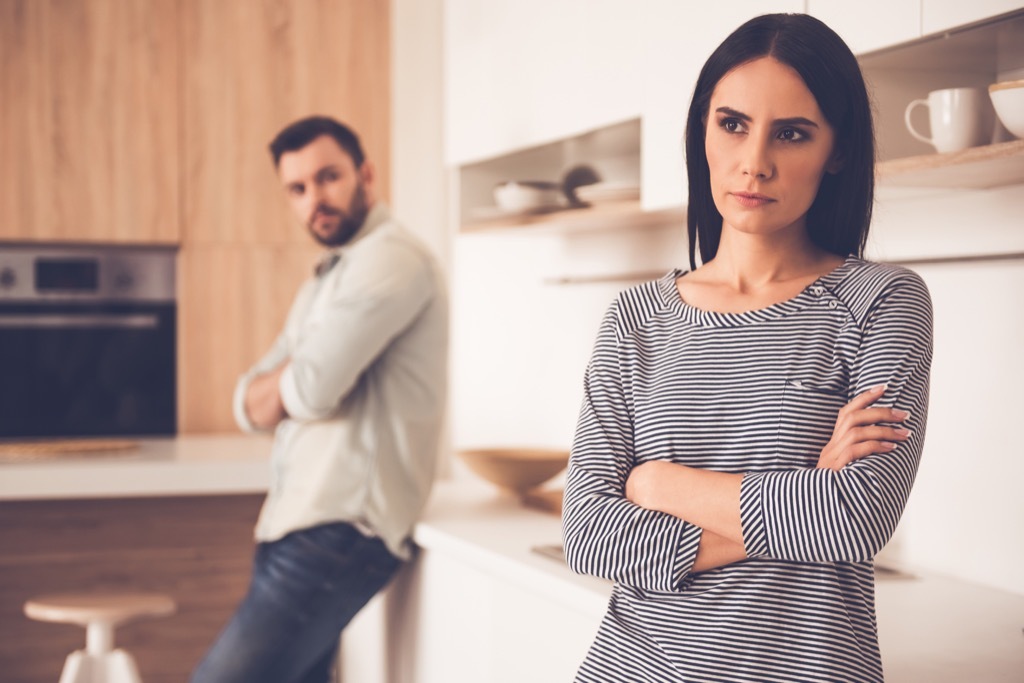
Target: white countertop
[(931, 628), (179, 466)]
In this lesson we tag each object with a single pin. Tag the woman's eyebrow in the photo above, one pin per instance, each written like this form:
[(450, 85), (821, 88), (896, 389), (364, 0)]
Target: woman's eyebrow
[(791, 121)]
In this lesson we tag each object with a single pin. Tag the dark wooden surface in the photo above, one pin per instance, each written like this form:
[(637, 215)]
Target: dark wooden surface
[(196, 549)]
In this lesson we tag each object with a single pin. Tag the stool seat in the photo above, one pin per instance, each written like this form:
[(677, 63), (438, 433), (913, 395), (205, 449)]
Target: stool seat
[(99, 662), (83, 609)]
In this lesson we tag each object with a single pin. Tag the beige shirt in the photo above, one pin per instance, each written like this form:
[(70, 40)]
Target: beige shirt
[(365, 390)]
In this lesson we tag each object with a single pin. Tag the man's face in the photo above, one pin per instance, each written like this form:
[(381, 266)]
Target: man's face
[(326, 191)]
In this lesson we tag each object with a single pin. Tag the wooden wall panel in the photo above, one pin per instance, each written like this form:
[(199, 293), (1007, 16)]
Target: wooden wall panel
[(250, 69), (233, 301), (148, 121), (89, 125), (198, 550)]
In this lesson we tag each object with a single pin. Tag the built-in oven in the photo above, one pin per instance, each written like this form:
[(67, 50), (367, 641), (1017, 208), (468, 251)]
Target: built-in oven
[(87, 341)]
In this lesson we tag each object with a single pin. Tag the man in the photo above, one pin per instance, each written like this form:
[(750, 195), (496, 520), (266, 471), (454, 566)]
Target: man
[(354, 389)]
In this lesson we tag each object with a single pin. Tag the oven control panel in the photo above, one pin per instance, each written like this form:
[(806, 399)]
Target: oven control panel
[(37, 273)]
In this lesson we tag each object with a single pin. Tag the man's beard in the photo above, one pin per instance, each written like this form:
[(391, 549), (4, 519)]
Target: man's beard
[(350, 222)]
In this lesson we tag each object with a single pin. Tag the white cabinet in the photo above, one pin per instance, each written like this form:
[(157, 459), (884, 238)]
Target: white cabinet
[(466, 626), (679, 39), (524, 72), (939, 15), (868, 25)]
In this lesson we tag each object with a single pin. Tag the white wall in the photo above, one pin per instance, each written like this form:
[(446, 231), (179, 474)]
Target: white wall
[(419, 181), (520, 347), (965, 517)]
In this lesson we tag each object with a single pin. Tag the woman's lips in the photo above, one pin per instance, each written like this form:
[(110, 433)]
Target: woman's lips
[(751, 200)]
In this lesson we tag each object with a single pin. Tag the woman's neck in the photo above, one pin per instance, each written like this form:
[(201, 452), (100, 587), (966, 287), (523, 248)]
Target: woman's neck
[(750, 262)]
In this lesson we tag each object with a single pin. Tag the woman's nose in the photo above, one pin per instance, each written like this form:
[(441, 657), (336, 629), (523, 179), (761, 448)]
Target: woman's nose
[(757, 160)]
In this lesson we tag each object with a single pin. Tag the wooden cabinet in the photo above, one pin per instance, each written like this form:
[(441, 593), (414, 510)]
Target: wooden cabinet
[(243, 254), (89, 123), (233, 302), (250, 69), (197, 549), (870, 24), (525, 72)]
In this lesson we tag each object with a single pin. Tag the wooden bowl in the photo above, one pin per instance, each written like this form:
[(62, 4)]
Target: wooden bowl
[(516, 470)]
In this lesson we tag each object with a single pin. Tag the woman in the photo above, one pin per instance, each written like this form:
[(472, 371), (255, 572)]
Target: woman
[(751, 429)]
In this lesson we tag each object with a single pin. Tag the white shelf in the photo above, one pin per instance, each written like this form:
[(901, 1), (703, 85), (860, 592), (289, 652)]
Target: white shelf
[(626, 215)]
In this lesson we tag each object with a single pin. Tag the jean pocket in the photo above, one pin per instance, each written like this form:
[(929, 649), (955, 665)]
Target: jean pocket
[(806, 421)]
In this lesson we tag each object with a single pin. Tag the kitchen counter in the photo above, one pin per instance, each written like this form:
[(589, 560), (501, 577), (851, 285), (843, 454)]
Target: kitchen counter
[(931, 628), (478, 544), (180, 466)]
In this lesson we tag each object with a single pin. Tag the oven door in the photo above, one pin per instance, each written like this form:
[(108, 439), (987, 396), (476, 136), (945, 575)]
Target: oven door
[(74, 370)]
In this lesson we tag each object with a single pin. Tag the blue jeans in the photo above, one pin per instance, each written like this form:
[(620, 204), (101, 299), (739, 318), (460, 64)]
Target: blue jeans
[(305, 589)]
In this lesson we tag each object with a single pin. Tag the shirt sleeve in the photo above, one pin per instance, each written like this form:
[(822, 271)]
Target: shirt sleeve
[(818, 515), (604, 534), (372, 300), (277, 354)]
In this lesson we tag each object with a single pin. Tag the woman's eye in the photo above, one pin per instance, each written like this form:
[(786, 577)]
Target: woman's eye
[(791, 135), (731, 125)]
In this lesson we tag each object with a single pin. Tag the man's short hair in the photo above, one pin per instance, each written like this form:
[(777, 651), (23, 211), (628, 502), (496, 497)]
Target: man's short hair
[(302, 132)]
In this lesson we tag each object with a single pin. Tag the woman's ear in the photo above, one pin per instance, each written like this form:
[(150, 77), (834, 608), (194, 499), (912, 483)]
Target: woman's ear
[(835, 163)]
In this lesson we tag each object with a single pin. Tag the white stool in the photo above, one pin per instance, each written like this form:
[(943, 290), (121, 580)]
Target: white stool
[(99, 614)]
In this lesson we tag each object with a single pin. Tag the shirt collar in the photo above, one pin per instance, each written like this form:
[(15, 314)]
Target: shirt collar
[(378, 215)]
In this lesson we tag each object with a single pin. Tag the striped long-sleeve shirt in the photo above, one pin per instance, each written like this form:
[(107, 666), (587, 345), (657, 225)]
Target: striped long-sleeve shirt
[(756, 393)]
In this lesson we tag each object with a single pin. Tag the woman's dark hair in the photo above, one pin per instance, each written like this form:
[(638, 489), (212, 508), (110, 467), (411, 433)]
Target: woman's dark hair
[(299, 134), (840, 215)]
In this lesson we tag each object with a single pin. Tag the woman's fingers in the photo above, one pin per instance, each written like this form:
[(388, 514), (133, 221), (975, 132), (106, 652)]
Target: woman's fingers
[(861, 430), (869, 416), (879, 433), (864, 399), (861, 443)]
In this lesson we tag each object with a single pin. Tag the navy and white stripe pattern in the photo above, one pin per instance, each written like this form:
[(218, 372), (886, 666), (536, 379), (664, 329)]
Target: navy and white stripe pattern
[(756, 393)]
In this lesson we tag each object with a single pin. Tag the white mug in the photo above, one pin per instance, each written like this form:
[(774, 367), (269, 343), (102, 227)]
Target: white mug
[(959, 118)]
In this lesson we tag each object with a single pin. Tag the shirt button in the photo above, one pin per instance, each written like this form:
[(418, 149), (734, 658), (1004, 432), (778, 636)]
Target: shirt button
[(833, 303), (818, 290)]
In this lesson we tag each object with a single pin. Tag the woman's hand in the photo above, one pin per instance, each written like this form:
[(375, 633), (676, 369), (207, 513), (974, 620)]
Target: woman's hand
[(858, 431)]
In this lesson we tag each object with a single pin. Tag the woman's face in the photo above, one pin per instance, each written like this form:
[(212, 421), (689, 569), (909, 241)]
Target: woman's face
[(768, 146)]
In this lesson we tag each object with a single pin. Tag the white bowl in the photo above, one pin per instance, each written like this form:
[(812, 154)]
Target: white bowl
[(527, 195), (1008, 100)]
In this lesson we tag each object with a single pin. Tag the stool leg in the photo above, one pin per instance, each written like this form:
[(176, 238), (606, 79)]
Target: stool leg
[(78, 668), (121, 668), (99, 637)]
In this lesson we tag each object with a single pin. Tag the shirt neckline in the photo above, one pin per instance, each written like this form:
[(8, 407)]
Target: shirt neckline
[(813, 292)]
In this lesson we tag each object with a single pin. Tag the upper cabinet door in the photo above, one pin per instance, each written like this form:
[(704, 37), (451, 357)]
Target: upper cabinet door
[(89, 121), (939, 15), (868, 25), (524, 72), (678, 39)]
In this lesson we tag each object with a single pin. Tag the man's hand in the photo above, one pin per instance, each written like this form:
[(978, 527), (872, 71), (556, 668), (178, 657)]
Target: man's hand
[(263, 399)]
